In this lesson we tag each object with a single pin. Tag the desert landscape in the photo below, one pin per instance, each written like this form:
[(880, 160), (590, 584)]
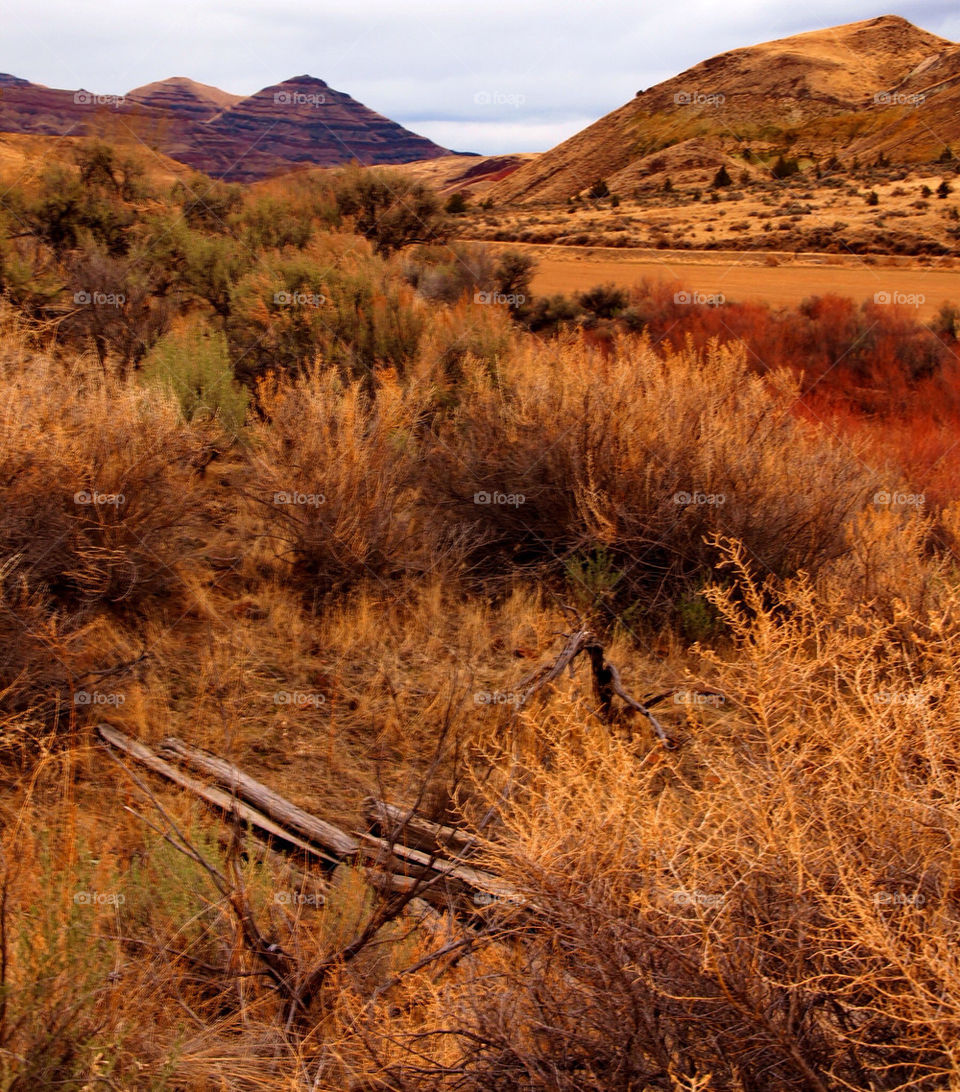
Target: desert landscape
[(482, 622)]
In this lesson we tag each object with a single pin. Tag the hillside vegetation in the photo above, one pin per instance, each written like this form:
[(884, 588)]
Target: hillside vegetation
[(287, 474)]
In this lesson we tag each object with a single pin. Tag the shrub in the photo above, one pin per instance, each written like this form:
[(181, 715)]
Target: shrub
[(784, 168), (195, 365), (99, 496), (644, 457), (333, 482), (605, 301), (208, 205), (335, 304), (391, 211), (721, 178), (448, 273)]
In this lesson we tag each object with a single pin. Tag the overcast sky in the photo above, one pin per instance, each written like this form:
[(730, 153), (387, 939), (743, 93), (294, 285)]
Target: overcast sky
[(485, 75)]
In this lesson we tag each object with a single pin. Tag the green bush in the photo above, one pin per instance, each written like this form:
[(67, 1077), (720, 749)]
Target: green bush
[(391, 211), (195, 365)]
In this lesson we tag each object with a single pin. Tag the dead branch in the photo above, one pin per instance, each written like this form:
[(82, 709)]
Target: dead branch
[(606, 678), (271, 803), (217, 798), (405, 826)]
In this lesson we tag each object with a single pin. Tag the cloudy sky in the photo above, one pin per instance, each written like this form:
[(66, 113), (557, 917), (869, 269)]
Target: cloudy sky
[(485, 75)]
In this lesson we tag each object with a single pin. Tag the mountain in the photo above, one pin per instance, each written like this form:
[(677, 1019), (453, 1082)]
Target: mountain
[(179, 95), (301, 121), (881, 86)]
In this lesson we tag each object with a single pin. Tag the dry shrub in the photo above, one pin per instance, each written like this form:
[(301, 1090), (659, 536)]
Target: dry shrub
[(776, 908), (471, 332), (333, 479), (98, 485), (644, 455)]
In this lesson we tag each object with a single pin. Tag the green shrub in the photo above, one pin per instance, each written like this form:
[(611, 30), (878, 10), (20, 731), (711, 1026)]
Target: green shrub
[(195, 365)]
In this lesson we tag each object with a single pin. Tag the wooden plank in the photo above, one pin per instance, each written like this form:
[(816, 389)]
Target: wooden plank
[(217, 798), (271, 803)]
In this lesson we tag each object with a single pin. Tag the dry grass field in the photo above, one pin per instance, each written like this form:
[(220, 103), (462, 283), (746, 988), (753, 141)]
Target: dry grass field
[(781, 279)]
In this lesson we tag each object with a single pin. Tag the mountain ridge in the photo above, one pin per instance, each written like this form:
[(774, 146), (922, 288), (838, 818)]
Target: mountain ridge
[(300, 121)]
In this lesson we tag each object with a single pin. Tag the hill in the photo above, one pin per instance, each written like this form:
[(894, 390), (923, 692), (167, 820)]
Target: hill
[(299, 121), (866, 89)]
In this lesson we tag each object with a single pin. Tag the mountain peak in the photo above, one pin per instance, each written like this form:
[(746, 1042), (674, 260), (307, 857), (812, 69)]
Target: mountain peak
[(180, 92), (301, 81)]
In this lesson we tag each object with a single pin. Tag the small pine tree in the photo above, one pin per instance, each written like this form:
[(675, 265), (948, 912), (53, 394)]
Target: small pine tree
[(944, 190), (599, 190), (872, 198), (456, 204), (721, 178)]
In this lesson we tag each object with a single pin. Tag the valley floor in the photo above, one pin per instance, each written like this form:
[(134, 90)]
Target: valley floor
[(776, 278)]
